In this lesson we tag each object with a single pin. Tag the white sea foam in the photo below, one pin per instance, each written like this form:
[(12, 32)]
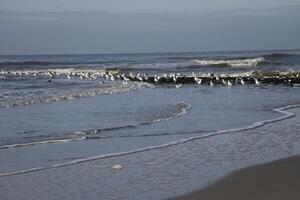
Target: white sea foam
[(183, 108), (281, 110), (48, 95), (250, 62), (40, 142), (58, 72), (23, 100)]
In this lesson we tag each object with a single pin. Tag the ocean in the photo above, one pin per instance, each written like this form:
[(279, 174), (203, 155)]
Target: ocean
[(55, 119)]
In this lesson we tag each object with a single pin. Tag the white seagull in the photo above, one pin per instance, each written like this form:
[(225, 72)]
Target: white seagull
[(229, 83), (242, 81), (256, 81)]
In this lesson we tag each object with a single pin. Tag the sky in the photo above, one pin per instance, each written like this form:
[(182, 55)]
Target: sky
[(132, 26), (142, 6)]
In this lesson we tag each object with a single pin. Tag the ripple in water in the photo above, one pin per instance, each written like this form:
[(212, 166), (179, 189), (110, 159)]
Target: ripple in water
[(164, 114), (282, 110)]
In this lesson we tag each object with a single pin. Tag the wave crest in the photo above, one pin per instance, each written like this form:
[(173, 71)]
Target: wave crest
[(249, 62)]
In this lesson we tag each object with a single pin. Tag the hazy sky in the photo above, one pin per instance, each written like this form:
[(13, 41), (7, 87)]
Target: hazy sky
[(152, 6), (147, 25)]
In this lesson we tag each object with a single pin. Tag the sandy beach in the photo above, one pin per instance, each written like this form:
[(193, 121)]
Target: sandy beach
[(276, 180)]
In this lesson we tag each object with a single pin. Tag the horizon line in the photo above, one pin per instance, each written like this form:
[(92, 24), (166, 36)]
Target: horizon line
[(154, 52)]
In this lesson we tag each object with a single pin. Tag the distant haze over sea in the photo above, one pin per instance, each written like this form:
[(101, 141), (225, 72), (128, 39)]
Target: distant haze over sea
[(82, 32)]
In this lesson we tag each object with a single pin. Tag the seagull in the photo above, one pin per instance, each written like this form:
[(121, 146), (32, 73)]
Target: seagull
[(224, 82), (174, 78), (156, 78), (68, 76), (196, 79), (229, 83), (199, 82), (139, 78), (131, 75), (125, 78), (211, 83), (242, 81), (256, 81)]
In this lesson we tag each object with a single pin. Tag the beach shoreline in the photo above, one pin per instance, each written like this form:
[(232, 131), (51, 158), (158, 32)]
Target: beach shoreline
[(97, 179), (276, 180)]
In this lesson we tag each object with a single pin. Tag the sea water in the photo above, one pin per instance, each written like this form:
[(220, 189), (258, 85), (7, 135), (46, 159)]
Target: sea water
[(54, 123)]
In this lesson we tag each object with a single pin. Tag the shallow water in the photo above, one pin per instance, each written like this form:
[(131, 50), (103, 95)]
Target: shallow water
[(145, 117), (161, 172)]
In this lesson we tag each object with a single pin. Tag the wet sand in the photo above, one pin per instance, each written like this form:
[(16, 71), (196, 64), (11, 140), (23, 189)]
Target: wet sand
[(279, 180)]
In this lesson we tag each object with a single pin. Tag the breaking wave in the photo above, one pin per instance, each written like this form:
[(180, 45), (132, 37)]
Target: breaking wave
[(42, 86), (249, 62)]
